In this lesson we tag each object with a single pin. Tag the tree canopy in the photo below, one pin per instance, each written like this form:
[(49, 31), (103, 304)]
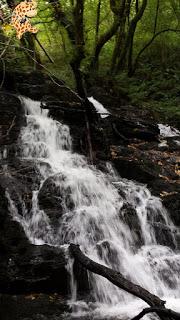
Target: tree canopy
[(86, 37)]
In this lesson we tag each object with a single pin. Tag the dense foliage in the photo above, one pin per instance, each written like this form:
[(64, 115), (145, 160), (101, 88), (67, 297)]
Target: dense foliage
[(135, 41)]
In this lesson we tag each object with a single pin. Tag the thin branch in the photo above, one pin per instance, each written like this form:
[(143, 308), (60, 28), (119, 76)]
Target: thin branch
[(17, 171), (10, 128), (47, 55), (160, 311), (15, 46), (5, 49), (156, 17), (44, 22), (4, 72), (149, 43)]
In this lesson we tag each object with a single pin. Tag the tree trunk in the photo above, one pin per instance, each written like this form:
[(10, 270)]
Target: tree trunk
[(115, 277), (156, 304), (128, 47), (118, 9), (97, 22), (102, 41), (121, 37)]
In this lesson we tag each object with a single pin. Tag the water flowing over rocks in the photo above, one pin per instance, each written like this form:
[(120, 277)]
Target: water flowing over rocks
[(29, 183)]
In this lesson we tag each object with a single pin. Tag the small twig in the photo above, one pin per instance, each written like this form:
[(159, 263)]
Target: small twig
[(15, 46), (10, 128), (118, 133), (4, 72), (149, 43), (17, 171), (47, 55), (6, 47)]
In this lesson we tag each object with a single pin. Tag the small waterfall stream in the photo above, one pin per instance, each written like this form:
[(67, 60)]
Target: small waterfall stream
[(95, 215)]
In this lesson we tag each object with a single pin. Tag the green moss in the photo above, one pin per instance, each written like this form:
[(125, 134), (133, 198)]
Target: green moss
[(155, 89)]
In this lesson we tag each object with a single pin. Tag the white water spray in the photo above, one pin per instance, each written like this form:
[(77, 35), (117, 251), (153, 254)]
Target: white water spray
[(99, 107), (95, 215)]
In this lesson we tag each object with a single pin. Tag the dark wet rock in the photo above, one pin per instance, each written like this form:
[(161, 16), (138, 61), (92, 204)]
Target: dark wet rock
[(25, 267), (20, 179), (55, 198), (164, 235), (35, 85), (33, 307), (11, 118), (136, 129), (76, 121), (129, 216), (35, 269), (81, 119), (109, 95), (110, 252), (12, 236), (172, 203), (134, 170)]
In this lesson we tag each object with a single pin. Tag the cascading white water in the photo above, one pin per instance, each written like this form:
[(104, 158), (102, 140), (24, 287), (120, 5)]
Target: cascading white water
[(94, 216)]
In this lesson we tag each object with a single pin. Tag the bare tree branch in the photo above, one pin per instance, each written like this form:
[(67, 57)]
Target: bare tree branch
[(6, 47), (156, 16), (4, 72), (148, 44), (160, 311), (156, 304), (10, 128), (115, 277)]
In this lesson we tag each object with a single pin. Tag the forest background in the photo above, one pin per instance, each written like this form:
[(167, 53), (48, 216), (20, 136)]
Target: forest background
[(131, 45)]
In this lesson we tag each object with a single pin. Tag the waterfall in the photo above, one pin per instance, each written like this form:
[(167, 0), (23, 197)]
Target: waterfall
[(115, 221)]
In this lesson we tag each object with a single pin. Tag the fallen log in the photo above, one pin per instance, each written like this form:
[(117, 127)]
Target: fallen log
[(120, 281), (160, 311), (115, 277)]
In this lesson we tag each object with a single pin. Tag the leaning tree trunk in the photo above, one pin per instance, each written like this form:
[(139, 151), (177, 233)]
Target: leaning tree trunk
[(157, 305)]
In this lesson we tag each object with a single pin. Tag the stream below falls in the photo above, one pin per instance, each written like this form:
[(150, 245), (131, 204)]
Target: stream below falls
[(93, 205)]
